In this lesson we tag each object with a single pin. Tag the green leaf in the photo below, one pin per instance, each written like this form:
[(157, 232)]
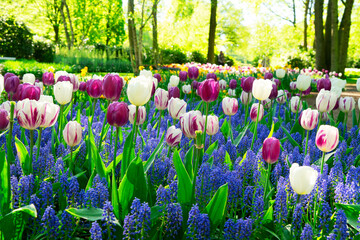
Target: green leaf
[(95, 156), (268, 217), (292, 141), (158, 148), (242, 134), (90, 214), (352, 214), (115, 196), (332, 121), (327, 157), (90, 181), (212, 147), (271, 131), (354, 122), (217, 205), (228, 161), (184, 184), (128, 150), (225, 129), (341, 117), (23, 156), (9, 150), (117, 160), (188, 161), (5, 188)]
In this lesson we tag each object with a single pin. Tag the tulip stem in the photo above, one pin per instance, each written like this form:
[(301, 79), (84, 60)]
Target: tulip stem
[(59, 130), (206, 119), (306, 143), (71, 162), (103, 128), (345, 124), (298, 106), (246, 113), (158, 130), (267, 180), (31, 151), (256, 124), (231, 132), (135, 125), (93, 115), (322, 163), (72, 106), (38, 144), (10, 153), (115, 149)]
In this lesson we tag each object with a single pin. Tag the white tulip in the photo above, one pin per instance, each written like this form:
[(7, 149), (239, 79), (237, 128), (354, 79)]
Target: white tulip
[(46, 98), (358, 84), (139, 90), (280, 73), (49, 114), (295, 104), (146, 73), (40, 85), (1, 83), (303, 82), (63, 92), (302, 179), (174, 81), (281, 97), (232, 92), (29, 78), (222, 84), (186, 89), (61, 73), (346, 104), (261, 89), (176, 107), (337, 85)]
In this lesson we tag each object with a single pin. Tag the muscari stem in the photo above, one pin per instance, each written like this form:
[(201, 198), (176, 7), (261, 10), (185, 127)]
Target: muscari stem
[(38, 144)]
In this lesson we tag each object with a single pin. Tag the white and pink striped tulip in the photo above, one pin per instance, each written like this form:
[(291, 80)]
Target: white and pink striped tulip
[(346, 104), (254, 112), (72, 133), (212, 126), (309, 119), (140, 117), (49, 114), (176, 107), (173, 136), (28, 114), (161, 98), (191, 122), (327, 138), (230, 106)]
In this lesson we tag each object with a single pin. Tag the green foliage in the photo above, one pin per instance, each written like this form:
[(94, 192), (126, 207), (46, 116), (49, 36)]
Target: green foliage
[(44, 51), (15, 39), (302, 59), (173, 55), (197, 56)]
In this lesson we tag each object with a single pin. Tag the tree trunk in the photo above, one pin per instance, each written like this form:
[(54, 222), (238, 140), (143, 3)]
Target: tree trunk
[(334, 36), (294, 12), (132, 38), (327, 40), (212, 31), (319, 34), (344, 35), (56, 31), (65, 24), (155, 36), (108, 32), (307, 2), (70, 23)]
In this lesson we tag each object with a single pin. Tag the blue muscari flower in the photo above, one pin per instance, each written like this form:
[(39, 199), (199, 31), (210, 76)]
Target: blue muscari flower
[(280, 208), (166, 195), (26, 186), (172, 220), (108, 218), (67, 224), (198, 224), (50, 222), (14, 191), (325, 217), (340, 227), (46, 194), (95, 231), (235, 189), (336, 174), (98, 194), (158, 172), (238, 229), (307, 233), (72, 192), (231, 149), (353, 175), (258, 203), (297, 219), (137, 223)]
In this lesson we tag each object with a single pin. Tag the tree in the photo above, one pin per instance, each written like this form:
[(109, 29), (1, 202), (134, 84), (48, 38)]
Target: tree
[(70, 42), (155, 34), (212, 31), (307, 12)]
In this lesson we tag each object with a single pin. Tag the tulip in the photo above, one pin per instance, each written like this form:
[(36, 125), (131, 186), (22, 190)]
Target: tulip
[(212, 125), (271, 150), (72, 133), (186, 89), (303, 82), (146, 73), (48, 78), (63, 92), (323, 83), (183, 76), (28, 114), (74, 81), (173, 136), (302, 179), (309, 119), (268, 75), (281, 97), (112, 86), (247, 84), (337, 85), (59, 73), (266, 103), (254, 112), (191, 122), (161, 99), (174, 92), (6, 106), (64, 78), (222, 84), (10, 84), (232, 92), (261, 89), (29, 78), (195, 84), (327, 139), (7, 75), (280, 73), (306, 92), (346, 104), (230, 106), (274, 92), (245, 98), (139, 90), (157, 76), (1, 83), (324, 116), (82, 87), (209, 90), (117, 114), (288, 94), (49, 114), (4, 119), (27, 90), (95, 88), (292, 85), (233, 84), (193, 73), (295, 105), (141, 115), (325, 101), (176, 107), (277, 82), (211, 76), (174, 81)]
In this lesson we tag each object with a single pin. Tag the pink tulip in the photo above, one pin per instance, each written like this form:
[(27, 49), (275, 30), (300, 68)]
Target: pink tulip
[(309, 119), (230, 106), (327, 138), (254, 112), (72, 133), (209, 90), (271, 150)]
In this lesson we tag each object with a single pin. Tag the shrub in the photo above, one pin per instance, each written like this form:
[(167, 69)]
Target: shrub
[(43, 51), (198, 57), (15, 39), (174, 55), (302, 59)]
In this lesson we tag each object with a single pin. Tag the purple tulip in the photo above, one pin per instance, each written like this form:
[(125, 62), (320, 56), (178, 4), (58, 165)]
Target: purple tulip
[(193, 73), (48, 78), (174, 92), (247, 84), (27, 90), (64, 78), (11, 83), (323, 83), (288, 94), (211, 76), (254, 112), (233, 84), (271, 150), (268, 75), (306, 92), (183, 76), (117, 114), (277, 81), (195, 84), (274, 91), (82, 87), (4, 120), (7, 75), (94, 89), (112, 86), (173, 136), (209, 90), (157, 76)]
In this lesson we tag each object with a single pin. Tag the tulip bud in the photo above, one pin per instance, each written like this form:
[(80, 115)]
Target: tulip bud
[(280, 73), (28, 78), (327, 138), (74, 81), (49, 114), (222, 84), (295, 104), (292, 85), (212, 126), (194, 85), (254, 112), (271, 150), (117, 114), (95, 88), (268, 75), (302, 179), (7, 75), (27, 90), (157, 76), (281, 97), (245, 98), (325, 101), (176, 107), (274, 91), (230, 106), (4, 119), (190, 122), (186, 89), (173, 136), (193, 73), (28, 114), (48, 78), (58, 74), (174, 92), (346, 104), (266, 103), (63, 92), (261, 89), (174, 81), (183, 76), (72, 133), (247, 84), (303, 82), (161, 99), (309, 119), (82, 87), (140, 117), (211, 76), (139, 90), (112, 86), (11, 83), (324, 117), (209, 90), (323, 83), (233, 84), (277, 82)]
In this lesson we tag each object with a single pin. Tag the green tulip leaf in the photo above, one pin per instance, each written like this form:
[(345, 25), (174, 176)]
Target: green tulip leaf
[(217, 205)]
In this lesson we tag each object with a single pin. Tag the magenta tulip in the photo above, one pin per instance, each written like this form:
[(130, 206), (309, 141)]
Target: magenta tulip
[(174, 92), (277, 82), (254, 112), (27, 90), (323, 83), (117, 114), (327, 138), (271, 150), (112, 86), (247, 84), (274, 91), (193, 73), (233, 84), (183, 76), (268, 75), (11, 83), (173, 136), (4, 119), (209, 90), (64, 78), (211, 76), (195, 85), (48, 78), (94, 88), (157, 76), (7, 75), (82, 87)]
